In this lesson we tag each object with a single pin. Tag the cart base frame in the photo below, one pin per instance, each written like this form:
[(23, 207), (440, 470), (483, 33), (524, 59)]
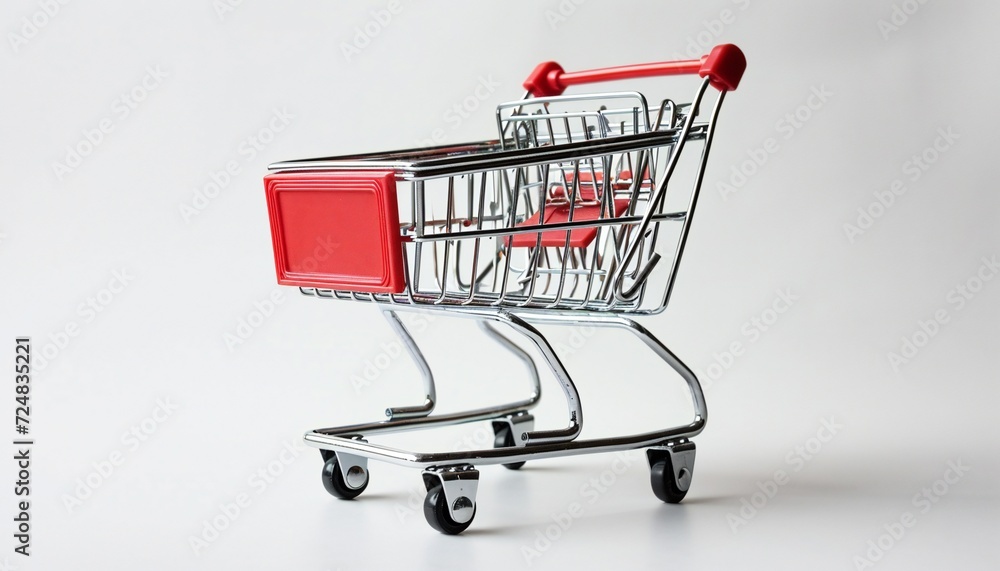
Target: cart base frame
[(451, 478)]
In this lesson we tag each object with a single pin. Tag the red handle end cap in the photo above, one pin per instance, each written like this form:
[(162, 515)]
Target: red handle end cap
[(724, 67), (544, 80)]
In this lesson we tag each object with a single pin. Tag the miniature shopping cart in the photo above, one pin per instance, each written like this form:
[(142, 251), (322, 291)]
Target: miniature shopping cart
[(575, 215)]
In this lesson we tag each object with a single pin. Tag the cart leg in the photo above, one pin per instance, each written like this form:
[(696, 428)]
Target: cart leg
[(562, 376), (396, 413), (671, 463), (509, 431), (521, 354), (425, 371), (450, 504), (671, 467), (661, 350)]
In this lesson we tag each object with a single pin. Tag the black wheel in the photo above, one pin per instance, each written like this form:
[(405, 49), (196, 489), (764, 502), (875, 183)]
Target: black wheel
[(505, 439), (333, 480), (661, 477), (439, 516)]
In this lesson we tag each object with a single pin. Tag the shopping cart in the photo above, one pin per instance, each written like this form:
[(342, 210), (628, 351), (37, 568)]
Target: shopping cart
[(564, 219)]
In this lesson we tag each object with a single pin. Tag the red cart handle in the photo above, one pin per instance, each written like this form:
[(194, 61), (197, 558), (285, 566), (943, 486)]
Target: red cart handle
[(723, 66)]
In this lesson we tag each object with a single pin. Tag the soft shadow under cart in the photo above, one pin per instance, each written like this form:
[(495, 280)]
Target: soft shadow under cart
[(564, 219)]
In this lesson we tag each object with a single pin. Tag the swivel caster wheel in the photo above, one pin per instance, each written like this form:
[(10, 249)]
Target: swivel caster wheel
[(439, 514), (505, 439), (450, 505), (344, 484), (507, 429), (670, 471)]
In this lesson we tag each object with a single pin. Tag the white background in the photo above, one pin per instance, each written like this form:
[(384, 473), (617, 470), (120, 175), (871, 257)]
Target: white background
[(63, 235)]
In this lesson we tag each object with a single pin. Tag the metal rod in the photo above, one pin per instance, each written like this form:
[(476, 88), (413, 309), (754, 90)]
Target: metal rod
[(425, 372)]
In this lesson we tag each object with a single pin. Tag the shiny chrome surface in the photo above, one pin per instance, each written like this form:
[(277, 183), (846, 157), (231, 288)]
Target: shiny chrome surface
[(354, 469), (460, 484), (520, 425), (457, 160), (537, 444), (421, 363), (641, 273), (462, 206), (408, 418)]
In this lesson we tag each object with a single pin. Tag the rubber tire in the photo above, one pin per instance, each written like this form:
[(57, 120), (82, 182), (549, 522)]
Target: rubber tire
[(504, 439), (661, 478), (437, 514), (333, 481)]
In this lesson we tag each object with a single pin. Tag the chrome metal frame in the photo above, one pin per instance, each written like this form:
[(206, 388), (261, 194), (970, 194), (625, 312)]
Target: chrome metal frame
[(609, 275), (531, 445), (532, 154)]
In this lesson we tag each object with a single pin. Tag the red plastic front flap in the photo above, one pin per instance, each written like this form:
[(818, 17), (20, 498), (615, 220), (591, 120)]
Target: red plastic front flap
[(336, 230)]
